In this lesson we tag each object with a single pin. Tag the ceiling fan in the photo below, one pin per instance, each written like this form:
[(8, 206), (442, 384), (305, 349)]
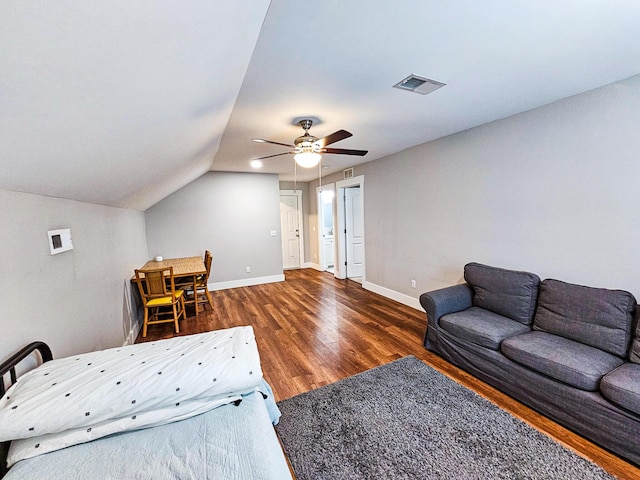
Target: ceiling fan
[(307, 149)]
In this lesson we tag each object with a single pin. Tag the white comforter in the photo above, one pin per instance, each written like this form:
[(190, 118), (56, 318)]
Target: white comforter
[(80, 398)]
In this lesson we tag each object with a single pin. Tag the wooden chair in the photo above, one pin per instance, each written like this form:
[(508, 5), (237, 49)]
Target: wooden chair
[(199, 292), (162, 302), (186, 282)]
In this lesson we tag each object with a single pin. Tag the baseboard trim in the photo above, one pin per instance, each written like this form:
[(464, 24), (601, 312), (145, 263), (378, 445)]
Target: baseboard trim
[(393, 295), (246, 282)]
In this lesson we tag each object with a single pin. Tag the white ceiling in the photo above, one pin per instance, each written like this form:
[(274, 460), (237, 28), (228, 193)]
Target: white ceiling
[(122, 103)]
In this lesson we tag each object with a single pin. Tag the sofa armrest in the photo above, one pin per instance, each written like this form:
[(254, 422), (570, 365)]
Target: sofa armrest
[(446, 300)]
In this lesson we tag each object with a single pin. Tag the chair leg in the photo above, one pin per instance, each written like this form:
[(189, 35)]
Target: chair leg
[(175, 317), (209, 299), (144, 325), (195, 296), (184, 308)]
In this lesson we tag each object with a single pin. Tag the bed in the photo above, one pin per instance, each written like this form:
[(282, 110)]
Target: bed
[(191, 407)]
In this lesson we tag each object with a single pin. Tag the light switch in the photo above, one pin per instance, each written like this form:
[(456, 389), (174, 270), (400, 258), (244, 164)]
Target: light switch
[(60, 241)]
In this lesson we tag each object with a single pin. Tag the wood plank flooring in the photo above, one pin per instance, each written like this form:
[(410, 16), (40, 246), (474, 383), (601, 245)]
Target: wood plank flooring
[(313, 330)]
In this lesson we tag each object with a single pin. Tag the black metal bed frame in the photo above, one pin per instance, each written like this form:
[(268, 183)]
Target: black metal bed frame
[(9, 366)]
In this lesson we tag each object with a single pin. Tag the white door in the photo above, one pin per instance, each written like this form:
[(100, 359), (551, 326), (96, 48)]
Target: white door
[(290, 228), (354, 226)]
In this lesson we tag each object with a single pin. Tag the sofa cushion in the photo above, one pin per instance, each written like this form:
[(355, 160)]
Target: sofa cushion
[(622, 387), (506, 292), (570, 362), (594, 316), (481, 327)]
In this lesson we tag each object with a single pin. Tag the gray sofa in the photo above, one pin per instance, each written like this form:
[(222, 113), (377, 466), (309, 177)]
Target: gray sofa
[(566, 350)]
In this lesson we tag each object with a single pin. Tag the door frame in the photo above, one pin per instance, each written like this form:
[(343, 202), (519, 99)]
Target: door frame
[(297, 193), (340, 270)]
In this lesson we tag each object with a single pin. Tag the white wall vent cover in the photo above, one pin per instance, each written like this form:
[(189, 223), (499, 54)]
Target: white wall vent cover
[(348, 173), (418, 84)]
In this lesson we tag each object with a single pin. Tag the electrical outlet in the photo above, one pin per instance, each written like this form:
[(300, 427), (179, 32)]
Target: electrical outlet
[(247, 269), (413, 284)]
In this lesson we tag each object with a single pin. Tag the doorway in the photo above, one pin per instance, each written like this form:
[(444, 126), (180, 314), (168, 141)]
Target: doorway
[(326, 248), (350, 225), (291, 228)]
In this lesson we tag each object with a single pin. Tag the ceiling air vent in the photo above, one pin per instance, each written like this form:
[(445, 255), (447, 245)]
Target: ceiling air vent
[(418, 84)]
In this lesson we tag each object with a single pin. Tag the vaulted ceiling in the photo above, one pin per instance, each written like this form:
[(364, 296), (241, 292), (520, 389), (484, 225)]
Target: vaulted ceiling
[(122, 103)]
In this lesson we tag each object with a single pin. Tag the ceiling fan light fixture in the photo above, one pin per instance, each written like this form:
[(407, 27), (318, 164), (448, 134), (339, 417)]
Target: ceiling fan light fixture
[(307, 159), (307, 149)]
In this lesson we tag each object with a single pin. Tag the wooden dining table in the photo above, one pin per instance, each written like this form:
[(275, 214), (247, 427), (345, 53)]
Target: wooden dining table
[(185, 270)]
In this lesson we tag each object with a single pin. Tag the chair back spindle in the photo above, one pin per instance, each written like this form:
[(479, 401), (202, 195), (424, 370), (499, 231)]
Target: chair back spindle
[(208, 258)]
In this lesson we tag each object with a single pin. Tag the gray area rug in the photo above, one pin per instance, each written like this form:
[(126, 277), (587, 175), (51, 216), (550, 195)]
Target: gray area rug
[(405, 420)]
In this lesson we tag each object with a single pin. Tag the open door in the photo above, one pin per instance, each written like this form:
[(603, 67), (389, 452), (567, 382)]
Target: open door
[(350, 237), (326, 249), (354, 232)]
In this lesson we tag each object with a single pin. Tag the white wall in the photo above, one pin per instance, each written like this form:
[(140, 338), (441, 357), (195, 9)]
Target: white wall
[(554, 191), (76, 301), (231, 214)]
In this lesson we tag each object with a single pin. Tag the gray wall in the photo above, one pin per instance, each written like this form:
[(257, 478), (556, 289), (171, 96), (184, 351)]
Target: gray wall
[(554, 190), (76, 301), (231, 214)]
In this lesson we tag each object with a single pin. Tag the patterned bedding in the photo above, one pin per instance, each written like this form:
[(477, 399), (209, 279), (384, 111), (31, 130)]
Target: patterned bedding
[(81, 398)]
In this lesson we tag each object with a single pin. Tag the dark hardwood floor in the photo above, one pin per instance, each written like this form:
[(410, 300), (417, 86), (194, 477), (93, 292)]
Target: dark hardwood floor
[(313, 330)]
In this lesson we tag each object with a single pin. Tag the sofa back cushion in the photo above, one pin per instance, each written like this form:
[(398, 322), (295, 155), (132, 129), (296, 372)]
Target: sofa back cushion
[(506, 292), (634, 354), (594, 316)]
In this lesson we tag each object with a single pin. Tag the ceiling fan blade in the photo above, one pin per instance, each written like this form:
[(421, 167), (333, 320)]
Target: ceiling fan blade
[(276, 155), (274, 143), (333, 138), (344, 151)]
